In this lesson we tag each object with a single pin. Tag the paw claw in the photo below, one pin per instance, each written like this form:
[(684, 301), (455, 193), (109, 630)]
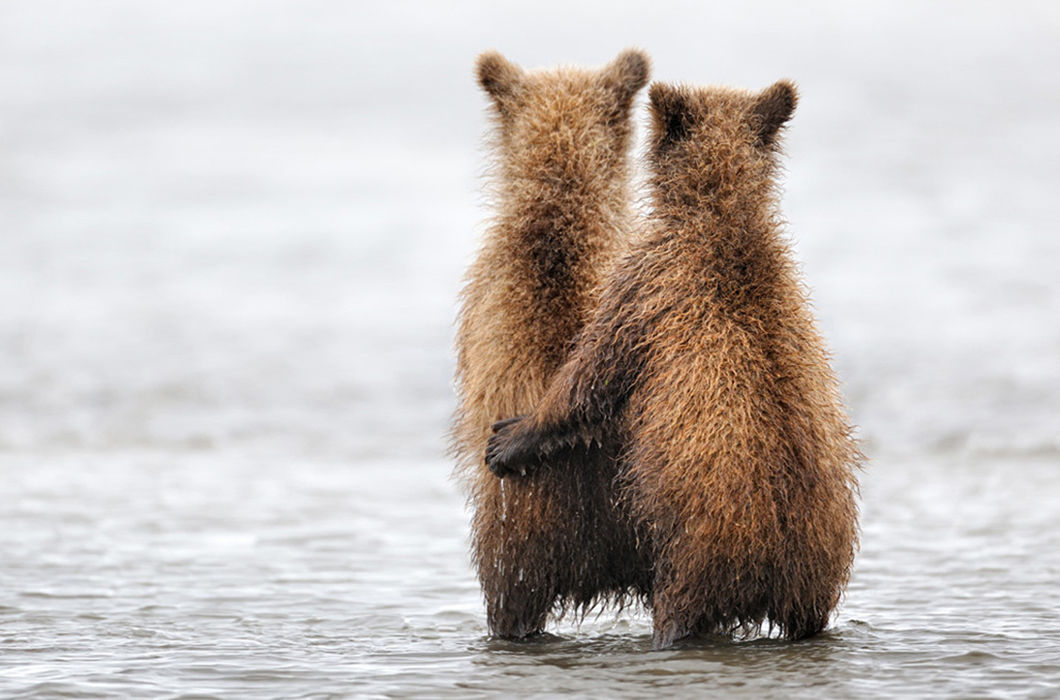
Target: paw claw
[(502, 424)]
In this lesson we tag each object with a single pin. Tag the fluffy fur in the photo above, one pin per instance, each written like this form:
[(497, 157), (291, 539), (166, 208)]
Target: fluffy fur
[(562, 200), (703, 370)]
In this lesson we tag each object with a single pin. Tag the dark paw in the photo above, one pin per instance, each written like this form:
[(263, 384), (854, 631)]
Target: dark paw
[(505, 451)]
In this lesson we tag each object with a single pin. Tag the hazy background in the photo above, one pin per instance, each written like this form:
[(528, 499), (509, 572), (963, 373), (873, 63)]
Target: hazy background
[(231, 238), (243, 224)]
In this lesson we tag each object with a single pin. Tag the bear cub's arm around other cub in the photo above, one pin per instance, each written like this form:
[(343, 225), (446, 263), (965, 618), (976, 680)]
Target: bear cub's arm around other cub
[(584, 407)]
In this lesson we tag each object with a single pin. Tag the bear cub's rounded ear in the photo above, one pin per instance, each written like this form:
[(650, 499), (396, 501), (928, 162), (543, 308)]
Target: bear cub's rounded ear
[(627, 74), (499, 77), (671, 112), (772, 108)]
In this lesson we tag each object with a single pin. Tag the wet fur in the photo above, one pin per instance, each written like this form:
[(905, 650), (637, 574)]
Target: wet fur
[(703, 371), (555, 541)]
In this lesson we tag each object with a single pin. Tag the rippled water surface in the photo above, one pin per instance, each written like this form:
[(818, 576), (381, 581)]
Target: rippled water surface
[(232, 237)]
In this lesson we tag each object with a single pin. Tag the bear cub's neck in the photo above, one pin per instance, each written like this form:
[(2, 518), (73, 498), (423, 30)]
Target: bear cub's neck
[(564, 211), (723, 224)]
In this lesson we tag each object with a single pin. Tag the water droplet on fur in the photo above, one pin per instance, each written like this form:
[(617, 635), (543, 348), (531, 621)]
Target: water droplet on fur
[(520, 573)]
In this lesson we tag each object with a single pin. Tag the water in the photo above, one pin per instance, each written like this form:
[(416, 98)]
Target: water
[(232, 239)]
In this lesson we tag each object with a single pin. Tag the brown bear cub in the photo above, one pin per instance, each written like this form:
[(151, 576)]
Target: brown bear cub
[(561, 188), (703, 371)]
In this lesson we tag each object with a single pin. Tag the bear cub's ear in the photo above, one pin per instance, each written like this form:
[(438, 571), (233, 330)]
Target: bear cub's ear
[(627, 74), (671, 113), (499, 77), (772, 108)]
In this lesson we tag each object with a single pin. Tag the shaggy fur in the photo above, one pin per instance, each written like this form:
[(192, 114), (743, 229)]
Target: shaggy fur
[(703, 370), (553, 542)]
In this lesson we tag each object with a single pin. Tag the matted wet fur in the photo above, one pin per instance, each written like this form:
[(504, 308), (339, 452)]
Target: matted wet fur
[(555, 541), (703, 369)]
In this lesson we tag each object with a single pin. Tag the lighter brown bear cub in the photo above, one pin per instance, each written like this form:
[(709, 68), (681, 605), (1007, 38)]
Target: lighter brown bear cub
[(702, 369), (562, 197)]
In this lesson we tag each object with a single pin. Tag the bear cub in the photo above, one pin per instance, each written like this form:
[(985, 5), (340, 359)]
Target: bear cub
[(560, 185), (702, 372)]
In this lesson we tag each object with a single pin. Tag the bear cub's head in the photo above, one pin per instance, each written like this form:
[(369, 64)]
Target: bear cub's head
[(567, 127), (713, 141)]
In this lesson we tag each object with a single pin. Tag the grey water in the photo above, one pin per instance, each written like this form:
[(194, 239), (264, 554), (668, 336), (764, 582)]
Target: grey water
[(231, 239)]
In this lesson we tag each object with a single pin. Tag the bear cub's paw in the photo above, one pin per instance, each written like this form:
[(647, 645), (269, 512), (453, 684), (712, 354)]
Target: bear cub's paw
[(510, 450)]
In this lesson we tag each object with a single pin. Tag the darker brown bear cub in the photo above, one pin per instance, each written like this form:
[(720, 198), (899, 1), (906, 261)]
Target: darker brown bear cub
[(703, 371), (562, 195)]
